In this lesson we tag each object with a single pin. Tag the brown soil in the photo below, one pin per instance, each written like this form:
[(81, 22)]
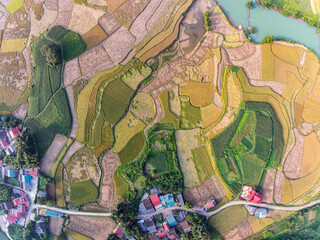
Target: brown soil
[(17, 25), (278, 187), (55, 225), (71, 71), (51, 190), (241, 231), (52, 153), (268, 185), (95, 227), (109, 23), (205, 191), (109, 163), (21, 111)]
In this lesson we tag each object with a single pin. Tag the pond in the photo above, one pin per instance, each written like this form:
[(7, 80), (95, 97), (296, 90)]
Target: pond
[(270, 22)]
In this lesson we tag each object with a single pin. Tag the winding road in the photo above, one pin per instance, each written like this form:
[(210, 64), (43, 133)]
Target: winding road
[(206, 214)]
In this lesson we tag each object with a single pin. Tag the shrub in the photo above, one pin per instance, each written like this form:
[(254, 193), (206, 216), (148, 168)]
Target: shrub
[(72, 45)]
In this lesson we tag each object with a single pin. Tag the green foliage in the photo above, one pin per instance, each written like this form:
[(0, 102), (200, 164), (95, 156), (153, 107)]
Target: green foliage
[(234, 68), (9, 122), (198, 225), (268, 39), (249, 4), (202, 163), (132, 149), (207, 21), (263, 125), (115, 100), (26, 152), (188, 205), (247, 143), (5, 193), (112, 237), (190, 115), (56, 33), (52, 53), (83, 192), (262, 148), (72, 45)]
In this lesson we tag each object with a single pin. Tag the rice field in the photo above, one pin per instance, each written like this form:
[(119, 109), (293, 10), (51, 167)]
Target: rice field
[(13, 45), (201, 94), (83, 192)]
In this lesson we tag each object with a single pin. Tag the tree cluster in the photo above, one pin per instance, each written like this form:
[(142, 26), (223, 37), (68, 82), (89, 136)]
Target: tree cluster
[(5, 193), (52, 54), (207, 21), (26, 152), (9, 122), (198, 225), (26, 233)]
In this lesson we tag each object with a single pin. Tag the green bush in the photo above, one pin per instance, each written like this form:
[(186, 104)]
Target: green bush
[(72, 45), (263, 125), (132, 149), (56, 33), (263, 148)]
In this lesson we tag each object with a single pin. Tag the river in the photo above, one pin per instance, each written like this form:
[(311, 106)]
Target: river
[(270, 22)]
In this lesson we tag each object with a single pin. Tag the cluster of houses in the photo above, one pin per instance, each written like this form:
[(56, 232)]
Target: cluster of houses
[(25, 176), (7, 140), (16, 208)]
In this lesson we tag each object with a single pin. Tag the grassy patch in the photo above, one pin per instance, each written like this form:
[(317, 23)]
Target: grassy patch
[(94, 36), (202, 163), (190, 115), (72, 45), (13, 45), (83, 192), (14, 6), (168, 116), (115, 100), (120, 187), (228, 218), (263, 148), (56, 33), (60, 201), (252, 170), (132, 149), (264, 125), (201, 94), (76, 235)]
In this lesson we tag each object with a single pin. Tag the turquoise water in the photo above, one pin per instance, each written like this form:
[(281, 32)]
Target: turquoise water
[(270, 22)]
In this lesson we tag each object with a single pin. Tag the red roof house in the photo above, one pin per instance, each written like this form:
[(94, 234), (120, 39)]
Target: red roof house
[(172, 234), (211, 204), (166, 227), (256, 199), (14, 132), (19, 214), (156, 202), (161, 234), (249, 194), (18, 201), (4, 144), (34, 172), (11, 218), (118, 232), (23, 208)]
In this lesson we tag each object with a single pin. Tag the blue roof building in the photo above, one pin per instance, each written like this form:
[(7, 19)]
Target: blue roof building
[(10, 173), (25, 178), (53, 214), (163, 202), (172, 221), (170, 200)]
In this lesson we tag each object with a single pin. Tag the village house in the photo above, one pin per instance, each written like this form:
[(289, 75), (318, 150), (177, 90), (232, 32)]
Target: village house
[(185, 226), (40, 227), (258, 212), (251, 195), (156, 202), (150, 226), (6, 206), (146, 207), (7, 140)]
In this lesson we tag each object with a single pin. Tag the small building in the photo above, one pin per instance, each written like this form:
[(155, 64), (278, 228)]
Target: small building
[(4, 144), (18, 214), (25, 198), (172, 221), (251, 195), (153, 237), (18, 201), (41, 194), (34, 172), (166, 227), (161, 234), (40, 227), (210, 204), (258, 212), (9, 173), (11, 218), (6, 206), (172, 234), (170, 200), (25, 178), (163, 201), (181, 200), (181, 215), (150, 226), (185, 226), (142, 225), (14, 132), (10, 149), (146, 207), (156, 202), (118, 232)]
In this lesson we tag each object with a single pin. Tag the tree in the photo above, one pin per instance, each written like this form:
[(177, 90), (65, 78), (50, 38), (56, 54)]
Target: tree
[(26, 152), (112, 237), (249, 4), (188, 205), (5, 193), (52, 54), (62, 236)]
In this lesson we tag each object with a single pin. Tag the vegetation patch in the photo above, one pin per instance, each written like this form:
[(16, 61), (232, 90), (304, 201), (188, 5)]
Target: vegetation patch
[(201, 94), (168, 116), (76, 235), (14, 6), (190, 115), (132, 149), (202, 163), (94, 36), (60, 201), (72, 45), (13, 45), (120, 187), (83, 192)]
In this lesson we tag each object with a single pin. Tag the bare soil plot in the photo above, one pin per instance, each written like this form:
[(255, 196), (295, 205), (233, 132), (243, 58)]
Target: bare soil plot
[(51, 190), (278, 187), (71, 71), (13, 76), (17, 25), (62, 19), (100, 3), (55, 225), (157, 14), (65, 5), (245, 51), (138, 27), (278, 88), (98, 228), (94, 60), (94, 36), (165, 74), (268, 185), (119, 44), (84, 18), (205, 191), (129, 10), (21, 111), (52, 153), (74, 128), (109, 23), (72, 149), (224, 62), (51, 4), (292, 164), (48, 18), (113, 5), (93, 207), (241, 231), (220, 24), (201, 49)]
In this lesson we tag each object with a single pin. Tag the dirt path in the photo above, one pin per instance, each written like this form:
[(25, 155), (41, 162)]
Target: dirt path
[(74, 128)]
